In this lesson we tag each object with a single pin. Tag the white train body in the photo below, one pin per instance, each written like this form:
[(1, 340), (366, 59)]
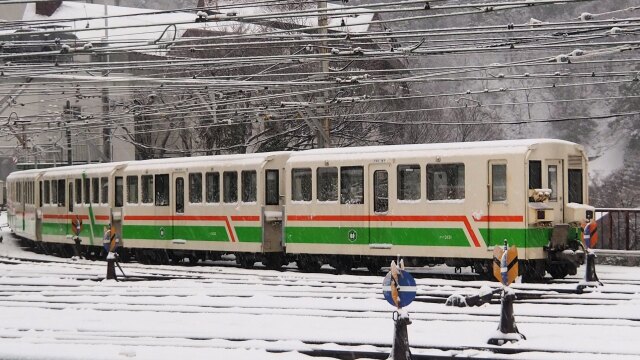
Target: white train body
[(348, 207)]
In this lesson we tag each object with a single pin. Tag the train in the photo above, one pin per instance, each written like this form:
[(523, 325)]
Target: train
[(356, 207)]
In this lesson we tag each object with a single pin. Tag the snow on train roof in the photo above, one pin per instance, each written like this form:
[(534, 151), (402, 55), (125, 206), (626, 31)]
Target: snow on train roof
[(452, 149)]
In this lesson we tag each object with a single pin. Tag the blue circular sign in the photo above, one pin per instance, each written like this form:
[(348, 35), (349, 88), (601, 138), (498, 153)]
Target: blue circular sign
[(405, 288)]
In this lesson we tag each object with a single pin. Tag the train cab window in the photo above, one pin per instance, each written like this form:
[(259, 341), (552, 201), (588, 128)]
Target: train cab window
[(195, 188), (352, 185), (575, 186), (118, 197), (180, 195), (535, 174), (61, 193), (95, 190), (272, 187), (498, 182), (86, 184), (47, 192), (212, 187), (132, 189), (552, 181), (104, 190), (327, 183), (162, 185), (147, 189), (78, 191), (230, 187), (249, 186), (301, 189), (54, 192), (381, 191), (409, 182), (445, 181)]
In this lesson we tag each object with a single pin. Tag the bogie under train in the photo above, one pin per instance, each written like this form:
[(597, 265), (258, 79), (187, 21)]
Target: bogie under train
[(349, 207)]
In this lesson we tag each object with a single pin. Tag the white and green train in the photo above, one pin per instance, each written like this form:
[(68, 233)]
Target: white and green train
[(347, 207)]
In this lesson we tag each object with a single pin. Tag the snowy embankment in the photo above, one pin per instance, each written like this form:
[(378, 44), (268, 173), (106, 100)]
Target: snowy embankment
[(58, 310)]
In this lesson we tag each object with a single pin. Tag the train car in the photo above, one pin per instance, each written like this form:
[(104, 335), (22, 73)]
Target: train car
[(162, 210), (438, 203), (349, 207), (205, 206)]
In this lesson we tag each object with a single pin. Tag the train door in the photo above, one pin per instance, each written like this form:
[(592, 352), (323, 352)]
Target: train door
[(379, 225), (498, 194), (39, 203), (179, 205), (554, 181), (272, 212), (116, 215)]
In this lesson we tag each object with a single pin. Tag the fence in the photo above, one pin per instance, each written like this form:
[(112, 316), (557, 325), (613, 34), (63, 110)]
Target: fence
[(618, 228)]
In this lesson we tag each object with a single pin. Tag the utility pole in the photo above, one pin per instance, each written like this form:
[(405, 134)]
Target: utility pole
[(67, 120), (106, 130), (324, 140)]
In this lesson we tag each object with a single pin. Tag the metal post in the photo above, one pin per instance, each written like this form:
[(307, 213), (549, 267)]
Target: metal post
[(400, 349), (508, 331), (610, 230), (627, 228), (111, 267), (323, 22), (106, 130), (67, 131)]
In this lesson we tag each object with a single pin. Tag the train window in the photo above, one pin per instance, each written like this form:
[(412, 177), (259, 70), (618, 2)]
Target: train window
[(409, 182), (54, 192), (95, 190), (180, 195), (301, 184), (535, 174), (195, 188), (104, 193), (86, 190), (61, 193), (78, 191), (327, 183), (498, 182), (47, 192), (41, 193), (272, 187), (132, 189), (381, 191), (147, 189), (249, 186), (162, 190), (575, 186), (230, 186), (70, 196), (552, 182), (213, 187), (352, 185), (445, 181), (118, 198)]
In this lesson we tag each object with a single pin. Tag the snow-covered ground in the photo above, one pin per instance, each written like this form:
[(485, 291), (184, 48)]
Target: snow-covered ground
[(61, 309)]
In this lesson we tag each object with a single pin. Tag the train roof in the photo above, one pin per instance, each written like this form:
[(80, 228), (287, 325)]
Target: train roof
[(105, 168), (452, 149)]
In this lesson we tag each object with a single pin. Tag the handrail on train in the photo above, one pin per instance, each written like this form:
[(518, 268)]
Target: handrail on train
[(618, 228)]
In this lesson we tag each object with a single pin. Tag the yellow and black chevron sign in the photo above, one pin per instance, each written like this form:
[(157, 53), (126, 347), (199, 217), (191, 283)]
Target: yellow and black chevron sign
[(505, 270)]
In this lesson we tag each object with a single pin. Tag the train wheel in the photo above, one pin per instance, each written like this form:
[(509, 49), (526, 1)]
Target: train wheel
[(533, 271), (245, 261), (558, 271), (307, 263), (273, 261)]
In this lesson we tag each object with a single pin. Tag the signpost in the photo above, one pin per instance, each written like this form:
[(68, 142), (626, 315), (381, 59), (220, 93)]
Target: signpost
[(590, 238), (110, 242), (76, 228), (505, 270), (399, 289)]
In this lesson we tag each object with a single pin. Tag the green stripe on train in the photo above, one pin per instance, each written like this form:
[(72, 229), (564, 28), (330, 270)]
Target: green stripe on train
[(363, 236), (50, 228), (191, 233), (414, 236)]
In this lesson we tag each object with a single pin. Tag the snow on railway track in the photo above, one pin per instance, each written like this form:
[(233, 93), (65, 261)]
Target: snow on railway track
[(57, 306)]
